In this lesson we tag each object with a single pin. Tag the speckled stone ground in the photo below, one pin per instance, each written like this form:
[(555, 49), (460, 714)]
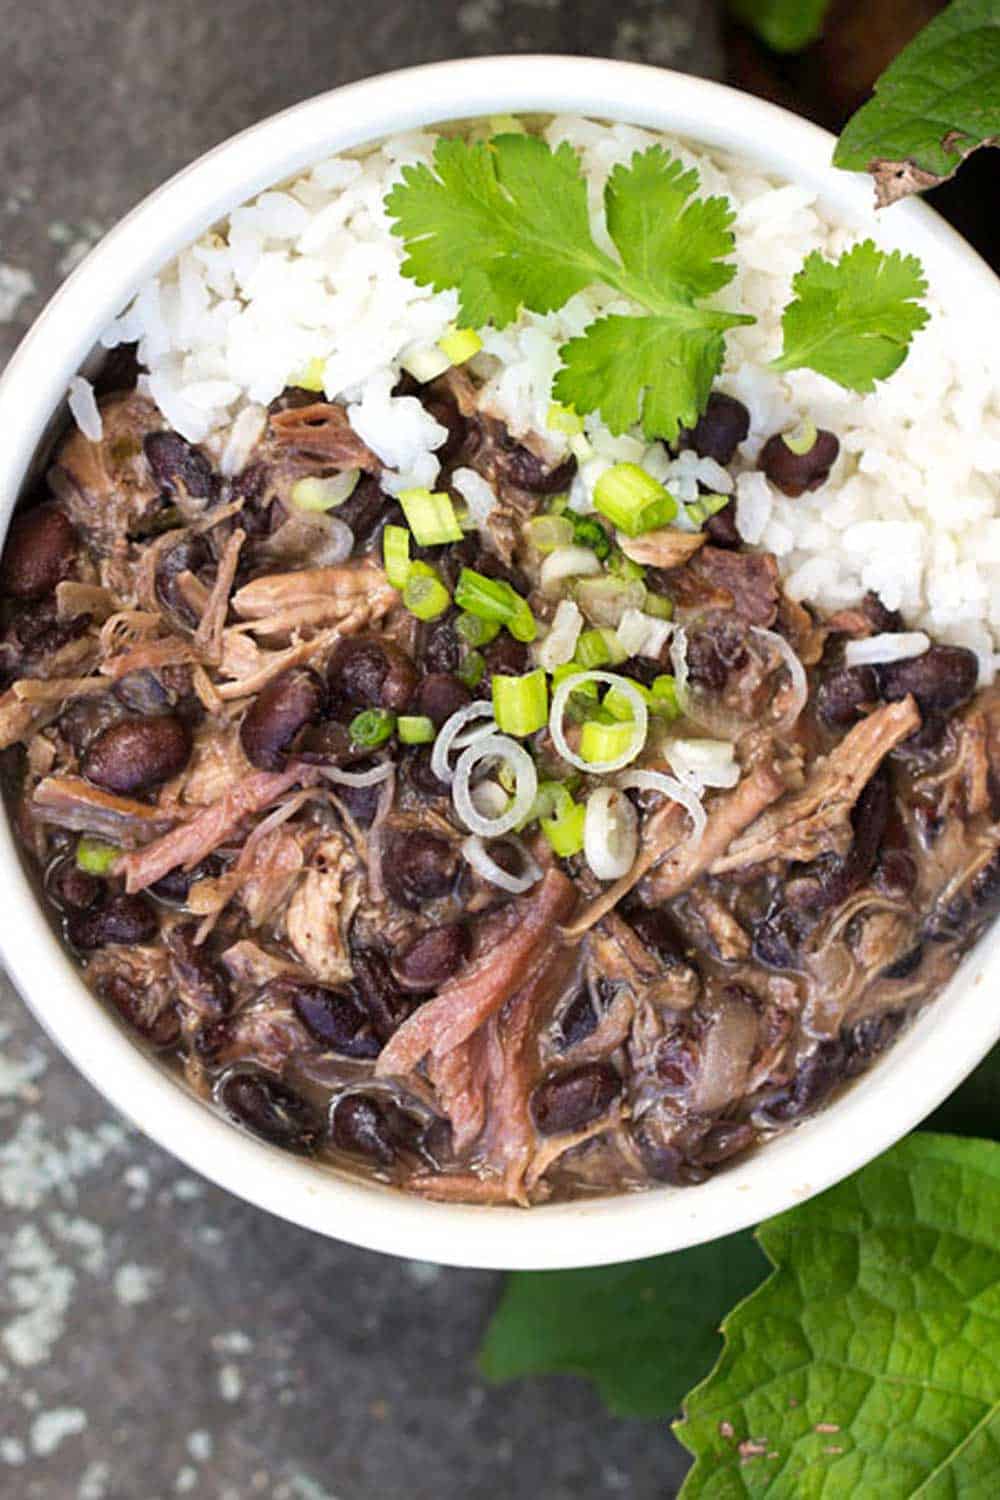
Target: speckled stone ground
[(157, 1337)]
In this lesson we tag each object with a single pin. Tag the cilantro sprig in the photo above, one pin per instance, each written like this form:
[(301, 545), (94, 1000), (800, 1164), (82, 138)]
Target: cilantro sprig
[(506, 223)]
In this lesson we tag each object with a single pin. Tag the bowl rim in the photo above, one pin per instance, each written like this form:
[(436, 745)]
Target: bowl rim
[(928, 1061)]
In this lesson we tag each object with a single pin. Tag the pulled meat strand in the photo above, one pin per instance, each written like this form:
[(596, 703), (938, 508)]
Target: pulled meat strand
[(272, 664), (208, 636), (195, 840), (171, 651), (464, 1003), (323, 430), (817, 819), (70, 802), (57, 689), (664, 548), (348, 585)]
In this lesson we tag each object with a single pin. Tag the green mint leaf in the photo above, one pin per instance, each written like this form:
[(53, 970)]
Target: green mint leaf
[(974, 1107), (783, 25), (657, 371), (670, 242), (852, 319), (504, 222), (643, 1332), (869, 1362), (935, 103)]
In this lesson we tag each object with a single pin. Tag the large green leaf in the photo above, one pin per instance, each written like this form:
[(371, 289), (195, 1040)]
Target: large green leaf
[(939, 100), (974, 1107), (868, 1364), (643, 1332), (784, 25)]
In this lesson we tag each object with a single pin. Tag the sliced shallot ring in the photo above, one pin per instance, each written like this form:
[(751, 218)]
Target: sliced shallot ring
[(875, 650), (479, 857), (371, 777), (610, 816), (640, 718), (447, 736), (669, 786), (796, 671), (495, 747)]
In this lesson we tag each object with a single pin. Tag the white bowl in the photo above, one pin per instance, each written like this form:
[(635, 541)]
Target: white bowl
[(933, 1055)]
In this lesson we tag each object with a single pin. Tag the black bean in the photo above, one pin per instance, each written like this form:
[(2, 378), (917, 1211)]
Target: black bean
[(658, 933), (572, 1099), (201, 985), (843, 694), (271, 1110), (379, 993), (39, 552), (419, 866), (664, 1162), (678, 1058), (119, 919), (722, 1142), (722, 528), (360, 1126), (445, 410), (439, 696), (277, 715), (714, 651), (504, 657), (578, 1020), (366, 510), (361, 802), (174, 886), (142, 692), (906, 965), (74, 887), (869, 1037), (776, 939), (794, 473), (720, 429), (822, 1069), (896, 872), (335, 1018), (177, 467), (441, 650), (644, 669), (940, 679), (161, 1028), (431, 958), (984, 891), (136, 754), (365, 673), (519, 466), (421, 777), (191, 554)]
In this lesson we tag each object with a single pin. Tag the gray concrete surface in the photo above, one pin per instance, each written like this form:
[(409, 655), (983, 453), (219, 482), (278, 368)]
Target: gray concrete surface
[(157, 1337)]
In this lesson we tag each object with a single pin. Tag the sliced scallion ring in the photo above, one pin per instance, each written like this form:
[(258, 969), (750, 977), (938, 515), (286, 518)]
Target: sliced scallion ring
[(669, 786), (640, 719), (454, 735), (494, 747), (479, 857), (610, 833)]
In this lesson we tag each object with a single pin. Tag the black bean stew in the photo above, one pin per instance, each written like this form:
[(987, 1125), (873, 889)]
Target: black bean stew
[(219, 719)]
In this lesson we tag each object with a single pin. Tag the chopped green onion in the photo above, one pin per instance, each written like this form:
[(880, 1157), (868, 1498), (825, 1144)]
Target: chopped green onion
[(598, 648), (663, 696), (431, 517), (623, 567), (507, 125), (310, 377), (521, 704), (396, 555), (699, 510), (460, 344), (493, 599), (605, 742), (563, 419), (556, 504), (604, 600), (415, 729), (580, 448), (424, 594), (95, 857), (324, 494), (633, 500), (564, 830), (547, 533), (802, 438), (471, 669), (372, 727), (619, 705), (658, 605), (425, 364), (588, 532), (574, 669), (476, 632)]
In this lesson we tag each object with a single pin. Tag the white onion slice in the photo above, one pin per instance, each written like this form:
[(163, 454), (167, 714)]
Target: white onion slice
[(643, 635), (701, 763), (86, 413), (371, 777), (567, 562), (484, 864), (640, 719), (564, 632), (479, 496), (668, 786), (882, 648), (679, 662), (797, 673), (450, 735), (610, 833), (495, 747), (489, 798)]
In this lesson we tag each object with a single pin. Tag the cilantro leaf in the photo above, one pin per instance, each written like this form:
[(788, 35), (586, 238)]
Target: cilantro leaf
[(852, 319), (784, 25), (869, 1362), (504, 222), (935, 103), (643, 1332)]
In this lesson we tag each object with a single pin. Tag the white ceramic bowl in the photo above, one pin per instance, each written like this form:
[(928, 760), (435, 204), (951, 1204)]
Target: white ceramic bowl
[(930, 1059)]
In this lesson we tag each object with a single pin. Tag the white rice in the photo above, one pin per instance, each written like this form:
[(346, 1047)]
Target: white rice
[(311, 272)]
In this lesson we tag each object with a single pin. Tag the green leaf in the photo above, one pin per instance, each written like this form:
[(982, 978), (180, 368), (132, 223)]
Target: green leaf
[(655, 370), (939, 100), (670, 242), (783, 25), (504, 222), (974, 1107), (643, 1332), (852, 319), (869, 1361)]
